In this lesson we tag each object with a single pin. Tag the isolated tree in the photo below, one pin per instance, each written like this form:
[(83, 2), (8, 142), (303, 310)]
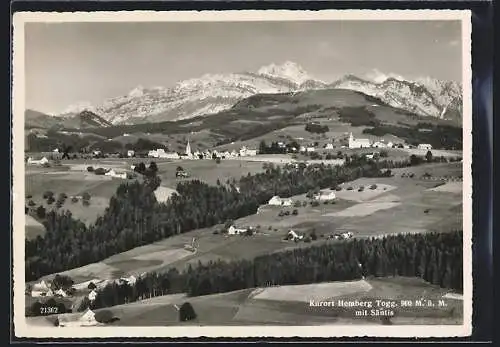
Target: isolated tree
[(48, 194), (428, 156), (90, 168), (86, 196), (104, 316), (186, 312), (40, 212), (314, 237), (153, 167), (62, 281)]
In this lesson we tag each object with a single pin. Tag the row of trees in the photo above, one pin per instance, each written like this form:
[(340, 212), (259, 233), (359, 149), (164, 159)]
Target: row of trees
[(435, 257), (316, 128)]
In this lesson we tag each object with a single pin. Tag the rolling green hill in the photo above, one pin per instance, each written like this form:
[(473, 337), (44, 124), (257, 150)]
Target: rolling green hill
[(263, 113)]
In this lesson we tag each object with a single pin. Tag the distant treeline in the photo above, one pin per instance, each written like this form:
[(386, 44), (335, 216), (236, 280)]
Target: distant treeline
[(438, 136), (435, 257), (87, 144)]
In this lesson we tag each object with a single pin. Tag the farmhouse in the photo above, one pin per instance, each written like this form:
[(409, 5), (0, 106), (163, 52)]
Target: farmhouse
[(42, 161), (77, 320), (232, 230), (245, 152), (61, 292), (328, 146), (130, 153), (343, 236), (379, 144), (302, 149), (277, 201), (160, 153), (325, 196), (424, 146), (113, 173), (42, 286), (92, 295), (358, 143), (128, 280), (310, 149), (292, 235)]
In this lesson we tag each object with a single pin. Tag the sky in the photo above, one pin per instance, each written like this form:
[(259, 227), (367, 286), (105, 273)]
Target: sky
[(70, 63)]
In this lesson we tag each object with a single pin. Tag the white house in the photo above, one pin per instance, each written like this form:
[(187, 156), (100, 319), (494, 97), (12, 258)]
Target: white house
[(128, 280), (390, 144), (424, 146), (232, 230), (42, 286), (302, 149), (310, 149), (325, 196), (277, 201), (379, 144), (61, 292), (92, 295), (113, 173), (42, 161), (328, 146), (245, 152), (130, 153), (294, 236), (77, 320), (343, 236), (370, 155), (358, 143)]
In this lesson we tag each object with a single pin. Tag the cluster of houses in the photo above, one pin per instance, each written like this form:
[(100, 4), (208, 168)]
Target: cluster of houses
[(44, 288), (367, 143), (207, 154)]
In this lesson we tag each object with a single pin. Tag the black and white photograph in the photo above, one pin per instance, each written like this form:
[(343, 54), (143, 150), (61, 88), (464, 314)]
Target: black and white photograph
[(242, 173)]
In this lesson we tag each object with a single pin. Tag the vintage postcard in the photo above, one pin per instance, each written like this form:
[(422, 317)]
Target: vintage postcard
[(242, 174)]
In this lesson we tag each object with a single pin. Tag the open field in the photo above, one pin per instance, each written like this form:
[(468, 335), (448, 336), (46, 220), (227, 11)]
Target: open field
[(206, 170), (290, 305), (33, 227), (405, 206), (307, 292)]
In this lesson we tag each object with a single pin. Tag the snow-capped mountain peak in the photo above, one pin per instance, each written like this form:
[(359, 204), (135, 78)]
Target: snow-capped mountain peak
[(213, 93), (288, 70), (378, 77)]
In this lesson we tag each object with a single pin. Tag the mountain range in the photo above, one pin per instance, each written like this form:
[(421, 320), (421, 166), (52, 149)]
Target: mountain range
[(213, 93)]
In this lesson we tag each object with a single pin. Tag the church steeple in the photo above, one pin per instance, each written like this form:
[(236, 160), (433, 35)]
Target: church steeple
[(188, 149)]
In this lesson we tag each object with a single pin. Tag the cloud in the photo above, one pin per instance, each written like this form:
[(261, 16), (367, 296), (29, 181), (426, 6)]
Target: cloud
[(378, 77)]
